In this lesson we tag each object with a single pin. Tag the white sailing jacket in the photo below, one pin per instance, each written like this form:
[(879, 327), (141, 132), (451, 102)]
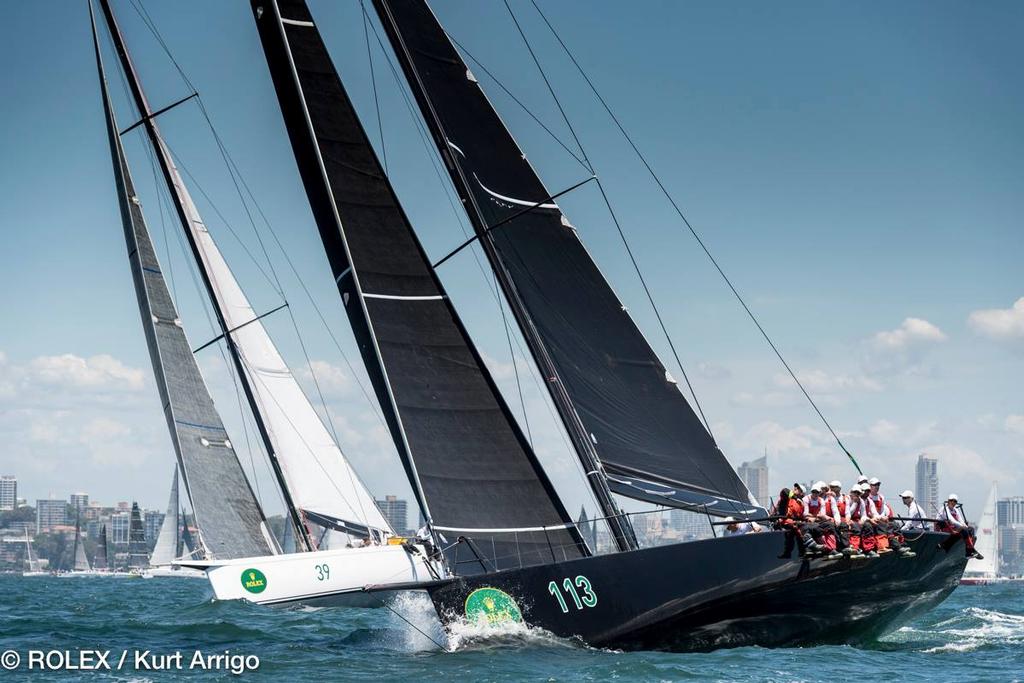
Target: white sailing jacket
[(916, 515)]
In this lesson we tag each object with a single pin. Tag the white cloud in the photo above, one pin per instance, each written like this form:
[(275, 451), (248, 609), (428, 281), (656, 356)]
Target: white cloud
[(911, 332), (999, 323), (333, 380), (779, 439), (887, 433), (97, 372), (901, 350), (1014, 423)]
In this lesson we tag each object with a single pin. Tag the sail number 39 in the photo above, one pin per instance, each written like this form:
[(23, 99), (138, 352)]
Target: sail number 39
[(579, 590), (323, 572)]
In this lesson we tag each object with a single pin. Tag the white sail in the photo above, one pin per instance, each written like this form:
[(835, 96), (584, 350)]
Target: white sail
[(166, 549), (33, 564), (318, 477), (988, 540), (81, 561)]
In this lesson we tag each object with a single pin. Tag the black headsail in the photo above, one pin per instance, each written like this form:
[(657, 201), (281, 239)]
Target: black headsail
[(620, 405), (230, 518), (471, 468)]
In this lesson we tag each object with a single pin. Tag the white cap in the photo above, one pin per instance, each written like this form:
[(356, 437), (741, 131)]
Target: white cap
[(862, 479), (953, 496), (855, 488), (836, 482), (821, 485), (816, 488), (907, 494), (874, 480), (731, 520)]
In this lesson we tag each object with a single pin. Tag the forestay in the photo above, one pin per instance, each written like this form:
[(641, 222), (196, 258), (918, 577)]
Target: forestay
[(649, 440), (471, 468)]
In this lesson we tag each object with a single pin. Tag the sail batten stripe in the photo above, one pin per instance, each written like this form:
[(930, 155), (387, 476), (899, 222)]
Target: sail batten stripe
[(297, 22), (404, 297)]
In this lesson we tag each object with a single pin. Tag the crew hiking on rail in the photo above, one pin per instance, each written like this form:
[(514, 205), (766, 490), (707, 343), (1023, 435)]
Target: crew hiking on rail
[(860, 523)]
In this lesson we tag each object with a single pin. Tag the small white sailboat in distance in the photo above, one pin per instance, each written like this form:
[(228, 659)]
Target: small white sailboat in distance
[(81, 566), (985, 571), (30, 559), (168, 543)]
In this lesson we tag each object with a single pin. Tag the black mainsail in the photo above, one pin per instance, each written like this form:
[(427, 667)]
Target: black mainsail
[(225, 508), (619, 403), (471, 468)]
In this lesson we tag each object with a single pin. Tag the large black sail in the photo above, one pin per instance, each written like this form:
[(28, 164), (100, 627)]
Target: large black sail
[(471, 468), (649, 440), (226, 510)]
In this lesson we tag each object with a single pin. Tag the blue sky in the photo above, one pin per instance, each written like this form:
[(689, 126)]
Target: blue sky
[(855, 168)]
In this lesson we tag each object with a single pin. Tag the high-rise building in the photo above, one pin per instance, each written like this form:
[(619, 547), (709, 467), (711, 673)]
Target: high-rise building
[(79, 501), (120, 522), (50, 512), (928, 484), (152, 521), (1010, 511), (8, 492), (755, 475), (396, 511)]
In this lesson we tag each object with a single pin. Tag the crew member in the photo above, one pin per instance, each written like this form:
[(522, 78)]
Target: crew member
[(862, 533), (734, 528), (951, 519), (835, 510), (876, 501), (915, 515), (819, 524), (790, 510)]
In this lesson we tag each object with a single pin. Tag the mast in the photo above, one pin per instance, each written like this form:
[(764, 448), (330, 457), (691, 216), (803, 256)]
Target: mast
[(188, 216), (578, 434), (222, 499)]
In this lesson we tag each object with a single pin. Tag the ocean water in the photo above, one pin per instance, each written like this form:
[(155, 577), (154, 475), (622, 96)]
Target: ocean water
[(976, 635)]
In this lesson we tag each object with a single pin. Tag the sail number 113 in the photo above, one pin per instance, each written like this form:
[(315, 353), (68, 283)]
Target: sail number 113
[(578, 589)]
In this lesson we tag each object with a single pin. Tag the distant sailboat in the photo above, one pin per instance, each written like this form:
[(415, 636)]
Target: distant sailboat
[(30, 559), (985, 571), (168, 543), (316, 482), (81, 566)]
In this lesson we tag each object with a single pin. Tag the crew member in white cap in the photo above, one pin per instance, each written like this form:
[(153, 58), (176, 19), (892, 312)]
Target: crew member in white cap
[(875, 500), (951, 519), (915, 514), (734, 528)]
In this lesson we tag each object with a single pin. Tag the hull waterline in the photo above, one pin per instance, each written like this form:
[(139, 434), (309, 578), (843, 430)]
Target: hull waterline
[(726, 592)]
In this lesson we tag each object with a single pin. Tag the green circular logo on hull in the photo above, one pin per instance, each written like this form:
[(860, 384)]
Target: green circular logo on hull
[(493, 605), (254, 581)]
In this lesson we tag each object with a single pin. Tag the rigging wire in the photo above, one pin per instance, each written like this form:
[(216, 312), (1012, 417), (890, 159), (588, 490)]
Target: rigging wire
[(692, 231), (373, 82), (615, 220)]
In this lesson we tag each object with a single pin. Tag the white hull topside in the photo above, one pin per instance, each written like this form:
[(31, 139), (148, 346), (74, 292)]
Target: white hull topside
[(324, 578)]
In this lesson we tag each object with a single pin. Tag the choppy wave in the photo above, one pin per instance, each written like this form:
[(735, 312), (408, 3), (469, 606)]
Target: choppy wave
[(970, 629)]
